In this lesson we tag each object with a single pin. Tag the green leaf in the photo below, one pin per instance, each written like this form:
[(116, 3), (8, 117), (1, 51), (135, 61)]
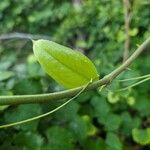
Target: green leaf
[(94, 144), (91, 129), (67, 113), (34, 70), (82, 127), (141, 136), (128, 123), (8, 145), (113, 122), (113, 142), (28, 86), (101, 108), (23, 112), (59, 137), (113, 97), (133, 32), (69, 68), (29, 140), (143, 106), (4, 75), (79, 128)]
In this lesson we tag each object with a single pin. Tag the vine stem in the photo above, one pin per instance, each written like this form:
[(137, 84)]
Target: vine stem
[(133, 85), (41, 98), (127, 20), (135, 78), (45, 114)]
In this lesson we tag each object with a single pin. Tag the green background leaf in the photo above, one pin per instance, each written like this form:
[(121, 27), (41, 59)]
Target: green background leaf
[(64, 139), (141, 136), (95, 28)]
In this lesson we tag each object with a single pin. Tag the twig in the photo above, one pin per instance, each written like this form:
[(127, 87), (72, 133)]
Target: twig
[(27, 36), (135, 78), (41, 98), (45, 114), (135, 84), (127, 19)]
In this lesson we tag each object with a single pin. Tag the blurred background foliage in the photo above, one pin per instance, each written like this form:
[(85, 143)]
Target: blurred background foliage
[(95, 120)]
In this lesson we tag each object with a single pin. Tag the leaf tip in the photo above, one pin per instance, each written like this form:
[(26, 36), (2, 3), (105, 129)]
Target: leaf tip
[(33, 41)]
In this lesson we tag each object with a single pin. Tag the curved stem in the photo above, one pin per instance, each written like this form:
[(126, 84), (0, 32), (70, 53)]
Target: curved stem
[(135, 78), (133, 85), (41, 98), (45, 114)]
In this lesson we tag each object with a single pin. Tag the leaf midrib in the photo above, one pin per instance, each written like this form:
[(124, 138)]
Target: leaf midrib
[(76, 72)]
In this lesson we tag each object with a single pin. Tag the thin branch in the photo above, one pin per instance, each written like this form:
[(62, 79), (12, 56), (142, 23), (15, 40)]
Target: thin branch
[(127, 19), (27, 36), (41, 98), (135, 78), (135, 84), (45, 114)]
